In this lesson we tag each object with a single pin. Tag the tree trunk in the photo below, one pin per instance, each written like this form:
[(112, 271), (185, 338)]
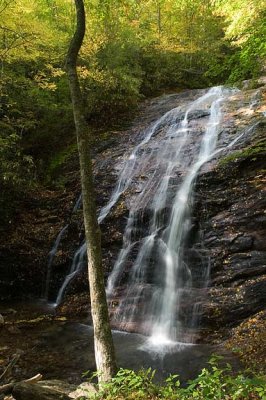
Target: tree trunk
[(103, 343)]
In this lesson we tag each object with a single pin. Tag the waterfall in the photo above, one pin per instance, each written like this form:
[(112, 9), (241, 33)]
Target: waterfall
[(54, 249), (76, 266), (160, 279), (51, 257), (129, 170), (154, 287), (177, 273)]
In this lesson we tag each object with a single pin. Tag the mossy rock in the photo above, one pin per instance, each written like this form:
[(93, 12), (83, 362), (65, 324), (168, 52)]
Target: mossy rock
[(251, 153), (248, 153)]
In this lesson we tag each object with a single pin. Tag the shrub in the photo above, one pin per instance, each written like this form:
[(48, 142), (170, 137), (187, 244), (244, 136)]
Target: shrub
[(215, 382)]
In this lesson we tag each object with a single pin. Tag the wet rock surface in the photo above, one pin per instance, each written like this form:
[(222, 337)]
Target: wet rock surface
[(25, 247), (233, 225)]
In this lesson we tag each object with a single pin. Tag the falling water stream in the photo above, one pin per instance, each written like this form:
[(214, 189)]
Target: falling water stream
[(51, 257), (160, 278), (153, 282), (53, 252), (129, 170)]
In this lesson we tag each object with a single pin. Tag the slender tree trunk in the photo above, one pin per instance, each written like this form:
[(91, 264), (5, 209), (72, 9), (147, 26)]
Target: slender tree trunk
[(103, 343)]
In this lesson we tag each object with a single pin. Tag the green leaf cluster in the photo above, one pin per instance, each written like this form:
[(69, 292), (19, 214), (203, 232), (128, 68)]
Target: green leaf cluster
[(215, 382)]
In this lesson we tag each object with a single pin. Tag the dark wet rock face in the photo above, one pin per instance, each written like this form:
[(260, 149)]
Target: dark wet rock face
[(233, 223), (24, 249)]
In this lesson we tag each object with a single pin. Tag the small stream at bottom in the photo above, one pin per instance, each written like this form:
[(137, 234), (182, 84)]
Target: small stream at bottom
[(63, 349)]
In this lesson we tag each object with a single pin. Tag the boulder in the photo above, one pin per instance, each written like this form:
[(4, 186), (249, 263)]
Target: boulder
[(29, 391), (84, 390)]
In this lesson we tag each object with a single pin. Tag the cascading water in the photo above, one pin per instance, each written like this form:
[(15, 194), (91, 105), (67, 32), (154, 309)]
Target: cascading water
[(54, 249), (51, 257), (129, 170), (153, 284), (160, 279), (76, 266), (178, 277)]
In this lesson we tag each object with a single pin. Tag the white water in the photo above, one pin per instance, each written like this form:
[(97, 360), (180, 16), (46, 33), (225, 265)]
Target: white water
[(129, 170), (153, 266), (76, 266), (177, 274), (53, 252), (51, 257), (159, 279)]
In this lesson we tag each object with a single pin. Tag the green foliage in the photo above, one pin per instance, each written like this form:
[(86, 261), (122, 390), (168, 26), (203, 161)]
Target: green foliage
[(215, 382), (127, 382), (16, 171), (57, 162), (161, 69), (247, 62), (14, 166), (35, 103), (111, 81), (246, 30)]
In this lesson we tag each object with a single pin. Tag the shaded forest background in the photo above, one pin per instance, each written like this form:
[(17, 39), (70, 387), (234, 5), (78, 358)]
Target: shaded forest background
[(133, 49)]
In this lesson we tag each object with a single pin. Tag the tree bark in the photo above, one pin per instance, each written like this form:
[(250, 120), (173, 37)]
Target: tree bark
[(103, 343)]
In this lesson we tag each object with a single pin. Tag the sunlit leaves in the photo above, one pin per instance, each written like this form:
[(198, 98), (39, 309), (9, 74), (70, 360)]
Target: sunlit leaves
[(29, 28)]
